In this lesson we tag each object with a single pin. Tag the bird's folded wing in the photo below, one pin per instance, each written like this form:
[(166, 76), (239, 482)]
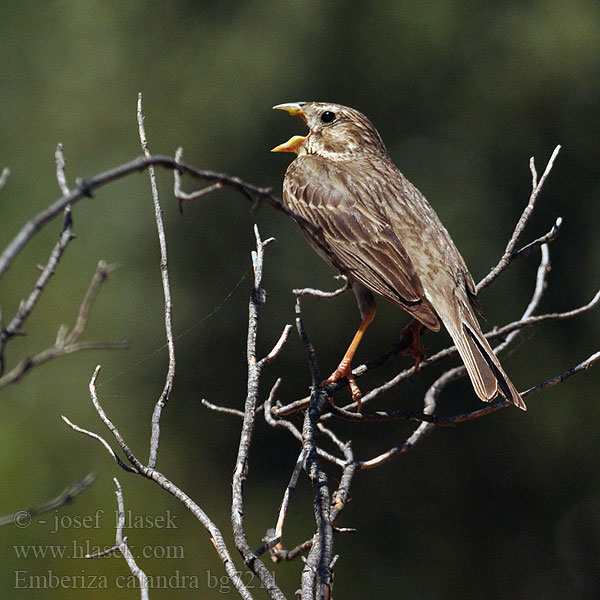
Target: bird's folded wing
[(358, 243)]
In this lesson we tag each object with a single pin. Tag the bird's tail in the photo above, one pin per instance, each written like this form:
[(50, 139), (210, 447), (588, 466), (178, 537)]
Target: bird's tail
[(484, 369)]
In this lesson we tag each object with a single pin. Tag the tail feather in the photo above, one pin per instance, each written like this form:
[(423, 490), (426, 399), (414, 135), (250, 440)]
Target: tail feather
[(484, 369), (483, 353)]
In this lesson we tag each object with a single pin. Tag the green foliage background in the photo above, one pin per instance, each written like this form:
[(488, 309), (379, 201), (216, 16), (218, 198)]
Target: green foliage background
[(463, 93)]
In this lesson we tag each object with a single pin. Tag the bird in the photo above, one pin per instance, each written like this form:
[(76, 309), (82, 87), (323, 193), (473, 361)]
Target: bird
[(374, 227)]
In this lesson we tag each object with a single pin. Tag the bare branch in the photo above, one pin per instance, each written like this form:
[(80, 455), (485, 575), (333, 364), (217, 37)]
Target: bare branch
[(544, 239), (468, 416), (582, 366), (22, 517), (178, 188), (317, 574), (137, 465), (430, 401), (60, 170), (322, 294), (103, 271), (67, 342), (48, 270), (539, 319), (28, 305), (340, 497), (507, 257), (223, 409), (100, 439), (277, 347), (476, 414), (273, 537), (85, 188), (257, 298), (121, 544), (379, 460), (164, 272)]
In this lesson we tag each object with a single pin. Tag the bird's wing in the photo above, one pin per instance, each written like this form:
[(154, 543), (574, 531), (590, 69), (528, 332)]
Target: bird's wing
[(352, 238)]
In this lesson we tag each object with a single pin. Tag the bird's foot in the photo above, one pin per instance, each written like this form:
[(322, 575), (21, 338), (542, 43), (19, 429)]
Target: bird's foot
[(345, 370), (414, 347)]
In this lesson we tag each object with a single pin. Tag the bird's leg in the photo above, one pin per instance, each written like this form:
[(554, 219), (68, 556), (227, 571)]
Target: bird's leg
[(344, 369), (412, 331)]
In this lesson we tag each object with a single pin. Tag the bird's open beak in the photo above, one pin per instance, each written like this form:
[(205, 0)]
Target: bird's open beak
[(292, 145)]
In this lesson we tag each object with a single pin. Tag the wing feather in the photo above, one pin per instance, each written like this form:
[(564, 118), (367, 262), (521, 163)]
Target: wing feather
[(354, 240)]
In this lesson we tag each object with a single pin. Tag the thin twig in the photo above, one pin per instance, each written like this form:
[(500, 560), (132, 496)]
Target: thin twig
[(67, 341), (60, 170), (288, 492), (277, 347), (223, 409), (476, 414), (542, 240), (257, 298), (582, 366), (122, 546), (48, 270), (28, 305), (522, 222), (100, 439), (273, 536), (102, 273), (416, 436), (340, 497), (321, 293), (164, 273), (178, 188), (22, 518), (137, 465), (281, 555)]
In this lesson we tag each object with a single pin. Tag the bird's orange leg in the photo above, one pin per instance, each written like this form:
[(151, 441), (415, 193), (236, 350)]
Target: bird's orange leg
[(413, 329), (344, 369)]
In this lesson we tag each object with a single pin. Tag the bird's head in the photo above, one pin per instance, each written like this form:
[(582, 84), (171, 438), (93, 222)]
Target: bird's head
[(335, 132)]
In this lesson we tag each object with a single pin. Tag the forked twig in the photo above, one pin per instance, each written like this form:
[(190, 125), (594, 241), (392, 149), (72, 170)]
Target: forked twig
[(67, 341), (509, 253)]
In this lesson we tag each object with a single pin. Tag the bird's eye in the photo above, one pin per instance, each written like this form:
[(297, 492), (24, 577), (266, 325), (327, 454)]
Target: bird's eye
[(327, 116)]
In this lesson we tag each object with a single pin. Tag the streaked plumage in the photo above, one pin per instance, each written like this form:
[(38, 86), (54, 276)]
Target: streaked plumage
[(372, 225)]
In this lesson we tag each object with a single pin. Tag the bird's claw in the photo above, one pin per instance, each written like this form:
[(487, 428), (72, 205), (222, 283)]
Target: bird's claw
[(345, 370), (414, 348)]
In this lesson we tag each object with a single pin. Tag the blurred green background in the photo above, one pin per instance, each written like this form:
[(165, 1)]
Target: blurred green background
[(463, 93)]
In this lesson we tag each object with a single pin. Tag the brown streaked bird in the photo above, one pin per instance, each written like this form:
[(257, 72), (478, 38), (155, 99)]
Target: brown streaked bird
[(367, 221)]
